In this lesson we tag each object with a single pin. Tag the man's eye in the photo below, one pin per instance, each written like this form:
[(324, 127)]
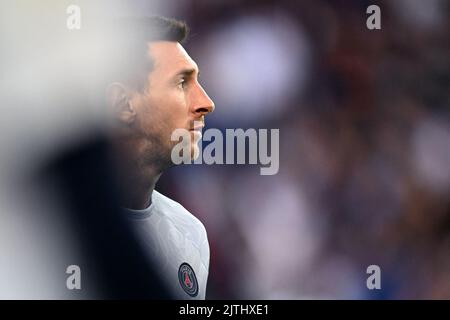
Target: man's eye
[(182, 84)]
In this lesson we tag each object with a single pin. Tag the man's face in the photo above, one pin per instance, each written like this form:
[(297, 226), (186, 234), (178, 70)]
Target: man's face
[(174, 99)]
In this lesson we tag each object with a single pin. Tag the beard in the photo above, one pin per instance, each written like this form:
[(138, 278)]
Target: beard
[(157, 153)]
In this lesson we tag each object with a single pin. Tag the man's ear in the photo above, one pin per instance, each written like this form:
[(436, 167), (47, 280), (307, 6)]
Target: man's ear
[(119, 100)]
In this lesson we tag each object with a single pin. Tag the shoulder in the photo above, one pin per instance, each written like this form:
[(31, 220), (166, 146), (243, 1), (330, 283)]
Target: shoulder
[(185, 222), (176, 212)]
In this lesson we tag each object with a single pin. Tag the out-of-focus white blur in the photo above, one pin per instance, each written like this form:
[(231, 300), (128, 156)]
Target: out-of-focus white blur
[(256, 64), (47, 105)]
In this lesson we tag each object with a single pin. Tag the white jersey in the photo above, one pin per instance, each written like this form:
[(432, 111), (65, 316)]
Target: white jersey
[(177, 241)]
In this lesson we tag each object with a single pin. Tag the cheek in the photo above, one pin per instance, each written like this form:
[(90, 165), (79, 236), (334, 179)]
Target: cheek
[(168, 101), (164, 113), (173, 107), (177, 101)]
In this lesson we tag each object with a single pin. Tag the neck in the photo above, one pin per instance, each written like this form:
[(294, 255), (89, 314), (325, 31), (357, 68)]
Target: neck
[(137, 192), (137, 179)]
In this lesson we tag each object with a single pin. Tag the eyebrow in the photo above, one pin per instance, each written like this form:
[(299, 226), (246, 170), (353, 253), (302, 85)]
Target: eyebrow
[(187, 72)]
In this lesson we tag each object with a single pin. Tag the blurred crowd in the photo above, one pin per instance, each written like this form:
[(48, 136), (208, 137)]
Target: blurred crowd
[(364, 125)]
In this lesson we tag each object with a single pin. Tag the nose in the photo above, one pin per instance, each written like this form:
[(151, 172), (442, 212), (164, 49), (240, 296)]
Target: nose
[(202, 104)]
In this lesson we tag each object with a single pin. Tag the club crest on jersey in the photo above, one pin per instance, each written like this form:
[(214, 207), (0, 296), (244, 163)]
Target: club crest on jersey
[(188, 280)]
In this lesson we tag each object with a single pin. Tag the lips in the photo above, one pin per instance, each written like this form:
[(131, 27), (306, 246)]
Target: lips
[(197, 128)]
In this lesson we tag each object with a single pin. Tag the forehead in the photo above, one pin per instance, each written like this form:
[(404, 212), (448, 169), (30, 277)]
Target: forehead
[(169, 58)]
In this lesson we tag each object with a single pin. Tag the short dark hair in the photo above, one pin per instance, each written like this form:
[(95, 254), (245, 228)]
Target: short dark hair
[(162, 28), (154, 28), (126, 53)]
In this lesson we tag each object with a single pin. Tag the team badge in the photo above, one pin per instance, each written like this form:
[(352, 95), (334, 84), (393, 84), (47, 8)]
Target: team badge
[(188, 280)]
